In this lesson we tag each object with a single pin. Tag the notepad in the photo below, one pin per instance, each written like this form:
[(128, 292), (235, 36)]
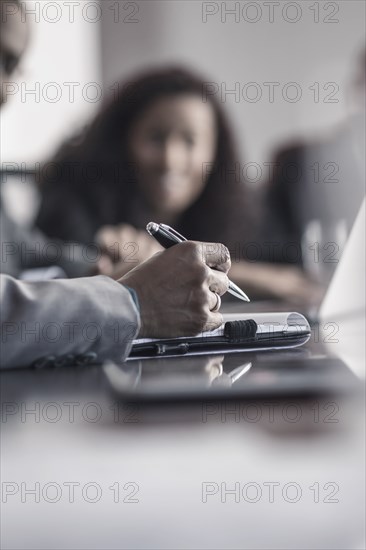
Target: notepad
[(238, 333)]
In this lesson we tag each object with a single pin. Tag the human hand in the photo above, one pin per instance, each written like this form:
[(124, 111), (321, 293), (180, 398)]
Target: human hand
[(176, 289), (292, 285), (280, 282), (125, 244)]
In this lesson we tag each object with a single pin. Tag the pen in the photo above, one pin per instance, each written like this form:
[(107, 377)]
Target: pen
[(167, 237)]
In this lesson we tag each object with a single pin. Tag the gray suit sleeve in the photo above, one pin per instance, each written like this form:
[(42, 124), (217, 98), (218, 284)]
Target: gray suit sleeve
[(65, 322), (26, 248)]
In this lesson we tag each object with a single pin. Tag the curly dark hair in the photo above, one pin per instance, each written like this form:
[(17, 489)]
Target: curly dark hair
[(109, 190)]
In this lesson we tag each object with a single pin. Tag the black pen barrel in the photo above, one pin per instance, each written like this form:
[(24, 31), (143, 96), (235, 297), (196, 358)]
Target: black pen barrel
[(165, 241)]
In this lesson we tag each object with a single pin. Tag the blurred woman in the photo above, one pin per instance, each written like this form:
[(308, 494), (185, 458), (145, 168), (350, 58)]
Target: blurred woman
[(161, 151)]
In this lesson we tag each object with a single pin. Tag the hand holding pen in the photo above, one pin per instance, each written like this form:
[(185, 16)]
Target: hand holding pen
[(178, 292), (167, 237)]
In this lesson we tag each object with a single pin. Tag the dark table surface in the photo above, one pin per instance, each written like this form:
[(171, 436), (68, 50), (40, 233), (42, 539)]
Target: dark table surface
[(83, 469)]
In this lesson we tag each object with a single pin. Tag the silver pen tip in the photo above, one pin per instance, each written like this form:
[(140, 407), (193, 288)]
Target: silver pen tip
[(152, 228)]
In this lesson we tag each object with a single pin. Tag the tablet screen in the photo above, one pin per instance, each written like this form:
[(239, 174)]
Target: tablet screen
[(231, 376)]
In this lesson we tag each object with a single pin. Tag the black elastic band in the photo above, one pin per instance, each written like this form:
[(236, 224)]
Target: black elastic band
[(237, 331)]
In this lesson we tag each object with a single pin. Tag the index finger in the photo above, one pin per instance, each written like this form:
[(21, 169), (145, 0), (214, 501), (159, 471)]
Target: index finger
[(216, 256)]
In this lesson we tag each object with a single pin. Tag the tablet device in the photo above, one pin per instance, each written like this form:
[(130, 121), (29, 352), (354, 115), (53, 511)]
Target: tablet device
[(210, 377)]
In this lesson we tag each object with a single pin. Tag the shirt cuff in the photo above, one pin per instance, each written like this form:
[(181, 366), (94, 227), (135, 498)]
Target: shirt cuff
[(134, 296)]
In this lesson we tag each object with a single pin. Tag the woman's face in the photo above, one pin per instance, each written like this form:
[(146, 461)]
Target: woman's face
[(170, 145)]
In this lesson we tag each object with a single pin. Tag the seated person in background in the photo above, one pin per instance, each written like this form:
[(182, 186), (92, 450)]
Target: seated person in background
[(161, 151), (26, 248), (83, 320), (318, 186)]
